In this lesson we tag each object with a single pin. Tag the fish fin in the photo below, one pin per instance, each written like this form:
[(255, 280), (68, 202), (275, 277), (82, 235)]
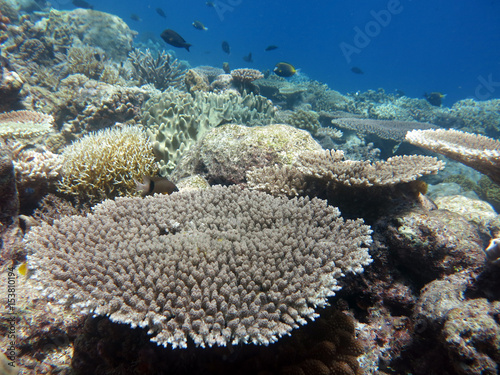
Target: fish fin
[(187, 46), (143, 187)]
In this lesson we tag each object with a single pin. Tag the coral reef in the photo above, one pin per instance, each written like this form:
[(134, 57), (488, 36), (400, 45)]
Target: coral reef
[(432, 244), (476, 151), (220, 266), (196, 81), (10, 88), (37, 172), (25, 125), (385, 129), (162, 71), (224, 154), (175, 120), (86, 60), (84, 105), (481, 117), (324, 346), (243, 78), (327, 167), (9, 203), (105, 164), (304, 119)]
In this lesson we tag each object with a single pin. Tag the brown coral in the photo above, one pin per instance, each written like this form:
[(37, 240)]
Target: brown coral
[(476, 151), (243, 78)]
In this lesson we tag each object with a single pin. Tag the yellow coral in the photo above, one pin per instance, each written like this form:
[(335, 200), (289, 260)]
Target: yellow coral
[(105, 164)]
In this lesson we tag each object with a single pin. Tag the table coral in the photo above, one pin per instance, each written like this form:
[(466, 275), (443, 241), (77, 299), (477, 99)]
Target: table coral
[(217, 266)]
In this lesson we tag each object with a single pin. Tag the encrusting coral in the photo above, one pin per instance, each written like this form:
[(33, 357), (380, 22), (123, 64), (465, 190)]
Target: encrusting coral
[(476, 151), (219, 266), (107, 163)]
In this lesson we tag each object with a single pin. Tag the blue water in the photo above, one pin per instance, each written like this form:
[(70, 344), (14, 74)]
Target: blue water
[(451, 46)]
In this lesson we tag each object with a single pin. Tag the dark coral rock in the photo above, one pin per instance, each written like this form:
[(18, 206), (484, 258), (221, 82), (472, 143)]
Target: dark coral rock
[(431, 244), (325, 346), (9, 203)]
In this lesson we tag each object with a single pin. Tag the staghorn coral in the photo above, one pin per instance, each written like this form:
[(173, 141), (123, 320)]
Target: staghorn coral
[(175, 120), (218, 266), (25, 124), (162, 70), (105, 164), (476, 151), (385, 129), (327, 167)]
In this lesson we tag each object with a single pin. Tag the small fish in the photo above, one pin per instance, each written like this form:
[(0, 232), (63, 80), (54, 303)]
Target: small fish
[(210, 4), (225, 67), (155, 185), (97, 57), (357, 70), (135, 17), (272, 47), (82, 4), (161, 12), (226, 48), (435, 98), (198, 25), (23, 269), (174, 39), (284, 69), (248, 58)]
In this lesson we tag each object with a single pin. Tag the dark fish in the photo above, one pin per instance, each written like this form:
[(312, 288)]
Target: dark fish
[(225, 67), (97, 56), (357, 70), (82, 4), (161, 12), (174, 39), (284, 69), (210, 4), (435, 98), (248, 58), (226, 48), (271, 47), (198, 25), (155, 185), (135, 17)]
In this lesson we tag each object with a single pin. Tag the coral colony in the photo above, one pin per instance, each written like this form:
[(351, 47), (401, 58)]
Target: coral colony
[(158, 217)]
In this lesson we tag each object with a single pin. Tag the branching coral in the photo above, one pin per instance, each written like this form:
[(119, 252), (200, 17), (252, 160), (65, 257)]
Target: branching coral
[(162, 70), (218, 266), (105, 164)]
